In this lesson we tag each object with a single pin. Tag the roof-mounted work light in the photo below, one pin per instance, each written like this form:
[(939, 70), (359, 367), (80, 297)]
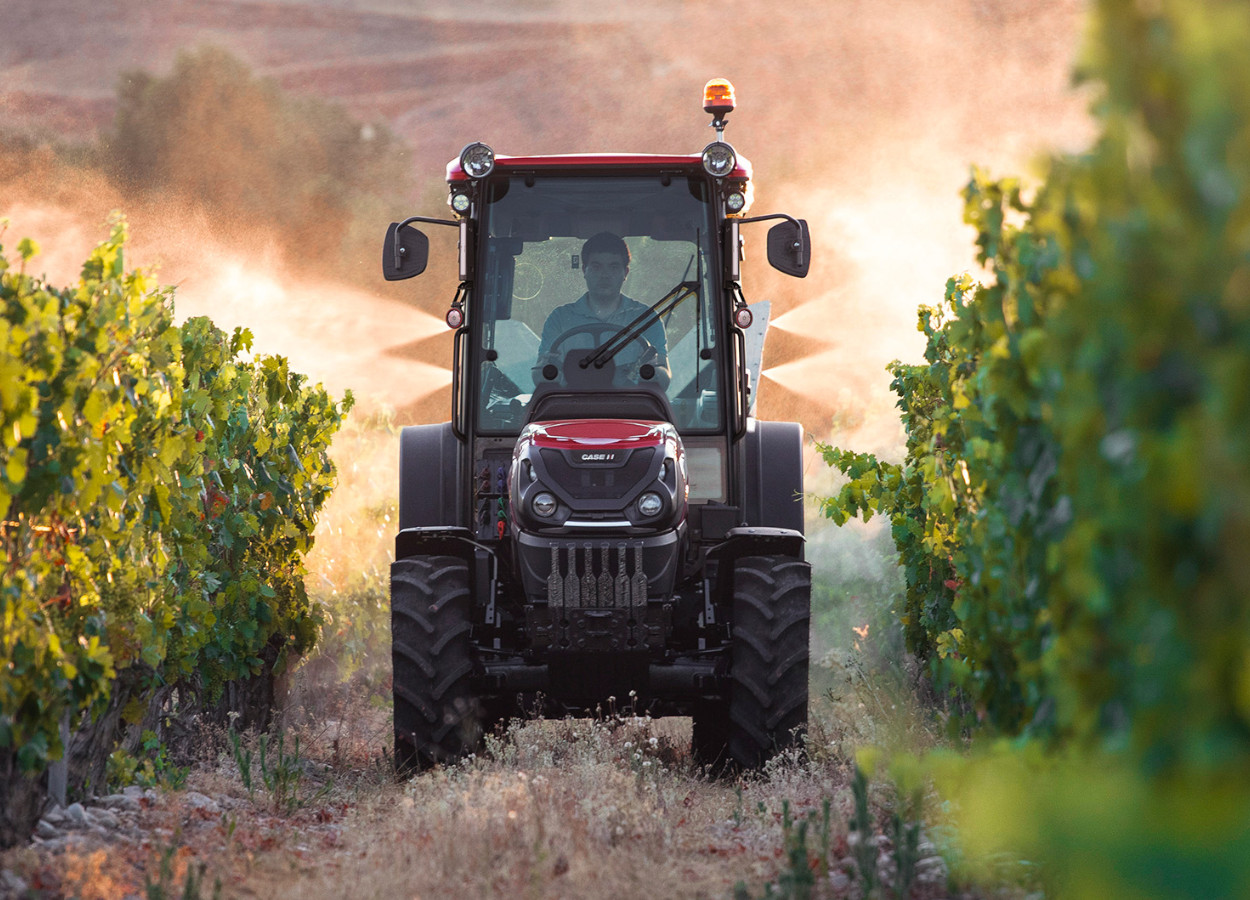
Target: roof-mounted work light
[(719, 159), (477, 160)]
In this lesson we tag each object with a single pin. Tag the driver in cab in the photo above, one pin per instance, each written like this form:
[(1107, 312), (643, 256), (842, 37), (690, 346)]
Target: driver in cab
[(602, 312)]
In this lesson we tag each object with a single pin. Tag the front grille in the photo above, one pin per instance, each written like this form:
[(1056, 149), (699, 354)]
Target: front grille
[(598, 482)]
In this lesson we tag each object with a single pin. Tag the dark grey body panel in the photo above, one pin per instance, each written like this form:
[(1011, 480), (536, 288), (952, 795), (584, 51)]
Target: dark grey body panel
[(773, 475), (430, 477)]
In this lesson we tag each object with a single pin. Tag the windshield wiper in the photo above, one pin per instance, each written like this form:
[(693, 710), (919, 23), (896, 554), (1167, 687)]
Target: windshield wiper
[(662, 307)]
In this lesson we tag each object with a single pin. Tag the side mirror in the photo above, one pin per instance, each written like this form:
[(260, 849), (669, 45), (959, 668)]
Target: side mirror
[(790, 247), (406, 252)]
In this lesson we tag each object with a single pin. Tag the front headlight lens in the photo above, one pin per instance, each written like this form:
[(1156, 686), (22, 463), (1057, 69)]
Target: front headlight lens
[(719, 159), (477, 160), (650, 504), (544, 505)]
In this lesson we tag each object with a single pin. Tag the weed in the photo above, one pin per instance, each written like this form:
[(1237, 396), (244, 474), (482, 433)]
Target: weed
[(905, 837), (282, 778), (798, 880), (192, 886), (243, 759), (826, 835), (281, 773), (154, 770), (862, 833)]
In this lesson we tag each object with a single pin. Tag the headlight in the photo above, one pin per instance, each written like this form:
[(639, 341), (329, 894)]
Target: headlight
[(543, 504), (650, 504), (460, 201), (719, 159), (736, 202), (477, 160)]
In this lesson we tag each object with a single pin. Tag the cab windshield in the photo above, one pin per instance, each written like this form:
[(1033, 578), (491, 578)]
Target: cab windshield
[(556, 289)]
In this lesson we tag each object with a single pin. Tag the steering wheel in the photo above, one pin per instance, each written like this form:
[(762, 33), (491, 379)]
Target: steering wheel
[(602, 331)]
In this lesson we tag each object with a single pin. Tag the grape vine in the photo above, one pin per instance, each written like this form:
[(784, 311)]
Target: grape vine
[(1072, 509), (158, 491)]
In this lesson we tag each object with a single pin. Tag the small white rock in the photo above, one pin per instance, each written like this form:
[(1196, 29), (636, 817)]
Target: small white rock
[(104, 818), (46, 830), (119, 801), (200, 801), (12, 884), (931, 870), (76, 814)]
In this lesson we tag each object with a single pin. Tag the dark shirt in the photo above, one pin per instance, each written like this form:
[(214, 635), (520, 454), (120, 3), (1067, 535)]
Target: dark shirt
[(578, 312)]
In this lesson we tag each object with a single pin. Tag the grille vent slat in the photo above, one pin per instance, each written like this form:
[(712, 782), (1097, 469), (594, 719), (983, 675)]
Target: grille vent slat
[(598, 482)]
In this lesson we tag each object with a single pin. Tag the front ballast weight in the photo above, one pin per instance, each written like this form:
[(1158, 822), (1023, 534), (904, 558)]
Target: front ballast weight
[(597, 610), (622, 591)]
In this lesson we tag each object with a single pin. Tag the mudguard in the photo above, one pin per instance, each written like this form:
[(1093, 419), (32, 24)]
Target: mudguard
[(773, 475), (430, 477)]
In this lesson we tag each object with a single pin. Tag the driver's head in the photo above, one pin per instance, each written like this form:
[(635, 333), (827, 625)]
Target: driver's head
[(605, 265)]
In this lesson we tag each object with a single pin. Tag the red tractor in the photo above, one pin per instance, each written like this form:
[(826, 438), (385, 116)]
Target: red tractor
[(603, 517)]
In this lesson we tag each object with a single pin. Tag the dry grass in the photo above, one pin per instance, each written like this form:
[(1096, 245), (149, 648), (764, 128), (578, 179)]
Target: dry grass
[(574, 808)]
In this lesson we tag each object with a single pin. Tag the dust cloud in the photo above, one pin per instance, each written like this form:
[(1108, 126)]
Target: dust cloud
[(862, 117), (337, 333)]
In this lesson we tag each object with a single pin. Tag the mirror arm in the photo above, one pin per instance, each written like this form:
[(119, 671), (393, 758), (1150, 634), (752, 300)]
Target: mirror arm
[(798, 247), (408, 221)]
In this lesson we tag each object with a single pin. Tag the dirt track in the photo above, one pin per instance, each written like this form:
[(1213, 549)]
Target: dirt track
[(572, 809)]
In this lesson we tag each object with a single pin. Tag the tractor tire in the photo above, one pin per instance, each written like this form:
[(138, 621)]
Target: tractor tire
[(765, 711), (437, 716)]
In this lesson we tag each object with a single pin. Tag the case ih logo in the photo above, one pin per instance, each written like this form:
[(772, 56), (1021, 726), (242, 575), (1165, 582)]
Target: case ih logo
[(589, 457)]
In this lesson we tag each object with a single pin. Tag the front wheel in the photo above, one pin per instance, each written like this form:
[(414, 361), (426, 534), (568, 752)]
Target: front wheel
[(765, 711), (437, 716)]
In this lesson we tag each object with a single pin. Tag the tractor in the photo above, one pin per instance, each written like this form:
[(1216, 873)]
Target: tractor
[(603, 521)]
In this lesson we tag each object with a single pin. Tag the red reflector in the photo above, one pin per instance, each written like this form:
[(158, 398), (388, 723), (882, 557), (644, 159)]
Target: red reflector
[(455, 317)]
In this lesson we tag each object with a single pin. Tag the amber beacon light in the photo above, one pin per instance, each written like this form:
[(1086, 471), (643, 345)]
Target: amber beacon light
[(718, 97)]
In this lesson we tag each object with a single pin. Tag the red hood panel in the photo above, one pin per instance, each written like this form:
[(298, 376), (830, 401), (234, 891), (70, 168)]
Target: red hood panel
[(615, 434)]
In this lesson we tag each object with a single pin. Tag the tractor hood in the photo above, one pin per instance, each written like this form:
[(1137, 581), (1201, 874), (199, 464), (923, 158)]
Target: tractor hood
[(588, 474)]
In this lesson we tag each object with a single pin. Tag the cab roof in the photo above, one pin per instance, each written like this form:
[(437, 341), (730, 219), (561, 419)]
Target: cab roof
[(590, 162)]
